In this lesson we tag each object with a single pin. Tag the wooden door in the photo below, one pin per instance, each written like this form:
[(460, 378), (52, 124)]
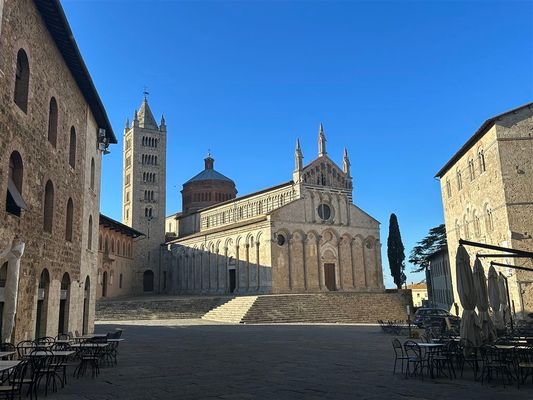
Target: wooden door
[(329, 275)]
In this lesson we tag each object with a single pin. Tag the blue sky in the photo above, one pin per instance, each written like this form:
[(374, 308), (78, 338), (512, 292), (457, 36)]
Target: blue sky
[(401, 84)]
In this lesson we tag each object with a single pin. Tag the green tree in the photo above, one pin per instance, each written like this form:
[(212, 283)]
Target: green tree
[(395, 252), (434, 241)]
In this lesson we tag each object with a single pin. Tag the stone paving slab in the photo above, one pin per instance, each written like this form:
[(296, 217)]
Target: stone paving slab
[(199, 360)]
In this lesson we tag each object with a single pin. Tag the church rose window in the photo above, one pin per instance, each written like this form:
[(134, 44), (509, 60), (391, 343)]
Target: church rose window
[(324, 212)]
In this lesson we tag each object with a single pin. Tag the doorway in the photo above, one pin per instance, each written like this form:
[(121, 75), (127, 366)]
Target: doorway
[(104, 284), (86, 299), (148, 281), (232, 280), (329, 276)]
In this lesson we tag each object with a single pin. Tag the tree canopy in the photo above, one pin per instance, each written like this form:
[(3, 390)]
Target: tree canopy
[(434, 241), (395, 252)]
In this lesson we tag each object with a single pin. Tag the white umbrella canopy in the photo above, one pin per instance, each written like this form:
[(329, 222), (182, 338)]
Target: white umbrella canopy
[(494, 297), (482, 301), (503, 300), (467, 295)]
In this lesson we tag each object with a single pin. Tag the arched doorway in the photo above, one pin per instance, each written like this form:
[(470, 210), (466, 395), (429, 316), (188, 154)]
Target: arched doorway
[(64, 304), (148, 281), (42, 304), (104, 284), (86, 299)]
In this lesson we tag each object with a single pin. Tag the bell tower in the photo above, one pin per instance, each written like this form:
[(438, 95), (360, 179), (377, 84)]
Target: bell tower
[(144, 194)]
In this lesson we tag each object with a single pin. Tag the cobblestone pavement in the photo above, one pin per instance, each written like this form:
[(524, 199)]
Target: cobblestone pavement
[(203, 360)]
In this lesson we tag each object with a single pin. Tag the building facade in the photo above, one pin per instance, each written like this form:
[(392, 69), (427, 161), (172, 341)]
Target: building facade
[(116, 274), (144, 195), (301, 236), (54, 130), (487, 194), (419, 294), (440, 286)]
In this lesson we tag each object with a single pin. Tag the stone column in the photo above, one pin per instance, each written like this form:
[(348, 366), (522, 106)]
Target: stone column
[(341, 277), (304, 262), (247, 267), (201, 270), (258, 266), (339, 208), (319, 270), (352, 242), (226, 270), (364, 263), (217, 267), (209, 255), (289, 240), (237, 270)]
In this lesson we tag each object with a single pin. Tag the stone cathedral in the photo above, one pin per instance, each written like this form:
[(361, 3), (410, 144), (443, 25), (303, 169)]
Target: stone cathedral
[(304, 235)]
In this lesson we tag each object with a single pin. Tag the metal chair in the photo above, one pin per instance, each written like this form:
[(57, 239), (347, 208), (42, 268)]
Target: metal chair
[(398, 354)]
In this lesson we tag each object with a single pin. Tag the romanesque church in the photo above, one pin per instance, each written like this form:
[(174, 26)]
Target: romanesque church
[(303, 235)]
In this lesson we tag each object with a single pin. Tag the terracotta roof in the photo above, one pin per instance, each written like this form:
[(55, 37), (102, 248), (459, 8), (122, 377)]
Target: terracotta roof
[(417, 286), (57, 24), (479, 133)]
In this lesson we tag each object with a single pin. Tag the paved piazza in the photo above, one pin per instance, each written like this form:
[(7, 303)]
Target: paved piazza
[(201, 360)]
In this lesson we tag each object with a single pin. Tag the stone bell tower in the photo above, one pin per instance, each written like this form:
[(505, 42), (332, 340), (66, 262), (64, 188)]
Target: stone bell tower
[(144, 195)]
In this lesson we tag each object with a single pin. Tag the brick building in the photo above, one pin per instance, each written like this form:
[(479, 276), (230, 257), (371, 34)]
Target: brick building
[(487, 194), (53, 131)]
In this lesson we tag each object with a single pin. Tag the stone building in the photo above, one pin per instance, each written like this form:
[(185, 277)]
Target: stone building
[(116, 275), (487, 194), (304, 235), (439, 277), (53, 131), (144, 195)]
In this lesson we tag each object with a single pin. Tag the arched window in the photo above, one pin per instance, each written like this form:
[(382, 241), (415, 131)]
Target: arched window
[(100, 242), (90, 233), (112, 245), (69, 221), (477, 228), (48, 207), (124, 249), (14, 201), (72, 148), (481, 157), (92, 174), (465, 224), (471, 169), (22, 81), (52, 122), (459, 180), (448, 188)]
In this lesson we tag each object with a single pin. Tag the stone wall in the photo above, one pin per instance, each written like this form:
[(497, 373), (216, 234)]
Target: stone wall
[(26, 133)]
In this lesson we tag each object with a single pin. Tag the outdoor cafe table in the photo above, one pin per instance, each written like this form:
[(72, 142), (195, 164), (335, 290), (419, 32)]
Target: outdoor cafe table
[(7, 364), (430, 350), (55, 353), (90, 344), (6, 354)]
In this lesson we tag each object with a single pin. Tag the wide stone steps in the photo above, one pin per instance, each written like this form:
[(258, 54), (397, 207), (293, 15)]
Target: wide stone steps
[(149, 308), (233, 311), (327, 308)]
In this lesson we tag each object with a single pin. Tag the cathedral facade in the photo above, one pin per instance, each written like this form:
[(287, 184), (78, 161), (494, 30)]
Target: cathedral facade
[(304, 235)]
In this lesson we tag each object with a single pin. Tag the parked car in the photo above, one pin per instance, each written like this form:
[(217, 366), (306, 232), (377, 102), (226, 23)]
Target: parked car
[(425, 317)]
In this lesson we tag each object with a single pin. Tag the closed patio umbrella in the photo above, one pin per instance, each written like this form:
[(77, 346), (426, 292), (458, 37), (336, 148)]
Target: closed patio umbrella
[(467, 295), (494, 297), (480, 283), (503, 300)]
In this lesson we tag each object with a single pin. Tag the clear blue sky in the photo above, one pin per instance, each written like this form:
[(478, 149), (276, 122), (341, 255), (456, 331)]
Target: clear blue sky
[(402, 84)]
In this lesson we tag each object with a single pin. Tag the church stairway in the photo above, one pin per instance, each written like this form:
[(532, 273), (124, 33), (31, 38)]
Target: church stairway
[(150, 308), (233, 311)]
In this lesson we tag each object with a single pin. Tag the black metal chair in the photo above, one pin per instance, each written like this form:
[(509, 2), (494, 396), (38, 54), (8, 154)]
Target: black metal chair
[(495, 361), (525, 365), (89, 356), (415, 358), (24, 348), (12, 387), (398, 354)]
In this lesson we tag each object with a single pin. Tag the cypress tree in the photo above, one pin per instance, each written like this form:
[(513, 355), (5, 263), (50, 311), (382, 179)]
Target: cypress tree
[(395, 252)]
